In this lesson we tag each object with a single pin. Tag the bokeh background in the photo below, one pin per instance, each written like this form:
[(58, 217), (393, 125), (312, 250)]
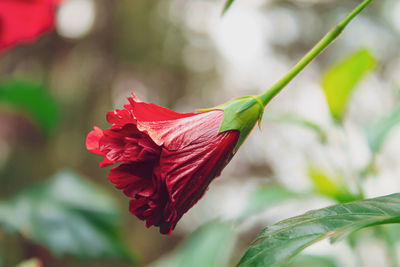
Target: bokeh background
[(57, 205)]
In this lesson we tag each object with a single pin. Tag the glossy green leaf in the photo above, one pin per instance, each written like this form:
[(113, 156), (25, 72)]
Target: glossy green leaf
[(32, 99), (209, 246), (227, 5), (378, 131), (339, 81), (68, 215), (276, 245)]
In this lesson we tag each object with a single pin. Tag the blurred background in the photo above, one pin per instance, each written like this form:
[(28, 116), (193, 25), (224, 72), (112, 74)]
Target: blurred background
[(57, 207)]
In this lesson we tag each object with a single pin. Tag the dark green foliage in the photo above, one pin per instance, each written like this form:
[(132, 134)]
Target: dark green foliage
[(67, 215), (32, 99), (210, 245)]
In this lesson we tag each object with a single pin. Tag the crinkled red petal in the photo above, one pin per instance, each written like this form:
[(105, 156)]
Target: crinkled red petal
[(168, 158), (151, 112), (134, 179), (188, 172), (127, 144), (176, 134), (93, 139), (120, 117)]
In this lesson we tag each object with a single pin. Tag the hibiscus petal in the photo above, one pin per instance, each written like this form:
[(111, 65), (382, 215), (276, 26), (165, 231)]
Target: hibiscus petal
[(169, 158), (148, 210), (151, 112), (128, 144), (24, 21), (189, 171), (120, 117), (92, 140), (106, 162), (176, 134), (134, 178)]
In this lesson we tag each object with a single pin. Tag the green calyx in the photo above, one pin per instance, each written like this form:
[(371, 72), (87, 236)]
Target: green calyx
[(240, 114)]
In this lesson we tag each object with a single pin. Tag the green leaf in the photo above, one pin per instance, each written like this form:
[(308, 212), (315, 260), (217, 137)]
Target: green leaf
[(393, 232), (378, 131), (31, 98), (68, 215), (330, 187), (339, 81), (228, 4), (209, 246), (295, 119), (266, 196), (276, 245)]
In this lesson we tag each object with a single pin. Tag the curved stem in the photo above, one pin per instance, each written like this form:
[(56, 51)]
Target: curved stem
[(313, 53)]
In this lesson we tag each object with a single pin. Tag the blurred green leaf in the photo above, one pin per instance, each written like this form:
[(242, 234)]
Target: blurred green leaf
[(277, 244), (323, 184), (339, 81), (209, 246), (266, 196), (378, 131), (228, 4), (212, 244), (330, 187), (389, 234), (295, 119), (68, 215), (393, 231), (308, 260), (31, 98)]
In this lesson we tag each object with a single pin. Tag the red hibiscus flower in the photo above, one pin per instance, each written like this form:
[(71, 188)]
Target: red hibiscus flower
[(25, 20), (168, 159)]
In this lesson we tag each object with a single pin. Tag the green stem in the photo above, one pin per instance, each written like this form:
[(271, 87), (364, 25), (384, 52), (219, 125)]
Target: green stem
[(313, 53)]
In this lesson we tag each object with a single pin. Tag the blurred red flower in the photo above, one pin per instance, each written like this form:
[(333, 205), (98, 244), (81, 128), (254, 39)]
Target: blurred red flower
[(168, 158), (25, 20)]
